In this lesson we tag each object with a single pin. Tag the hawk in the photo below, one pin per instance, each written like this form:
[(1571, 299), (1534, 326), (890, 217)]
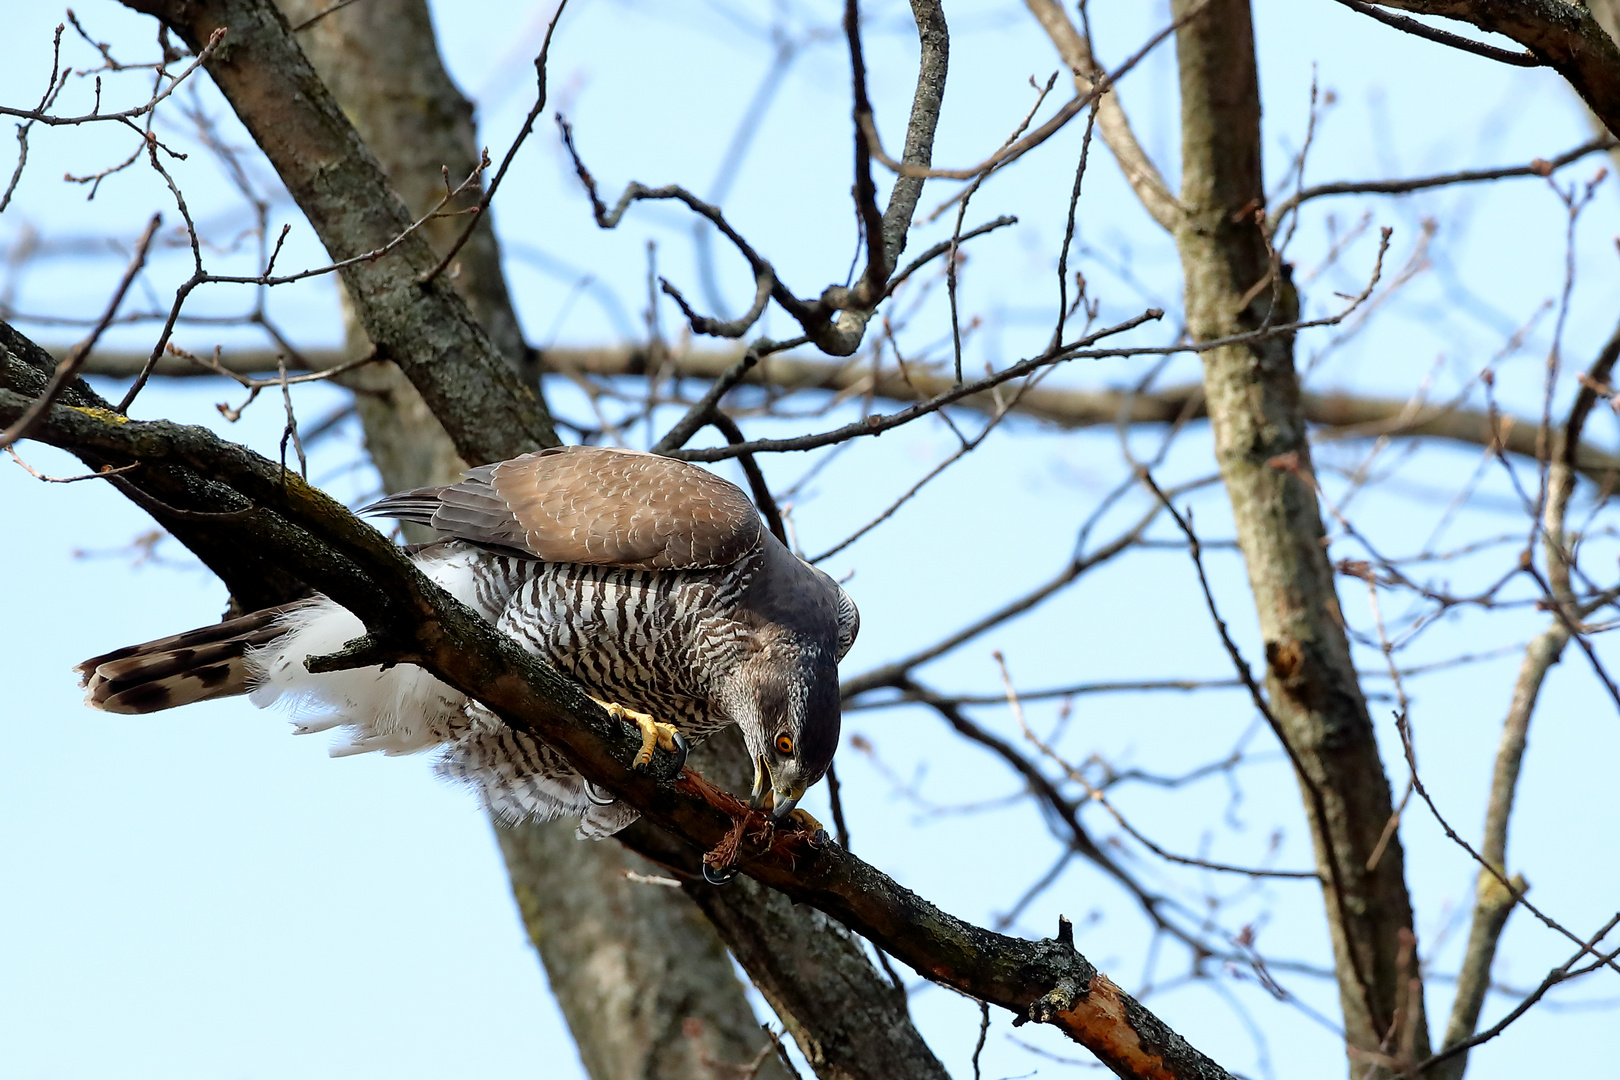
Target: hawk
[(649, 581)]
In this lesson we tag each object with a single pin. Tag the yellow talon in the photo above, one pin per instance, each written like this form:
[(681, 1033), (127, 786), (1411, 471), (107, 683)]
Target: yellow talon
[(803, 819), (799, 816), (653, 733)]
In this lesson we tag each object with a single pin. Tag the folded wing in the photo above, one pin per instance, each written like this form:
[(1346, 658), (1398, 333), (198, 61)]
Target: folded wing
[(598, 506)]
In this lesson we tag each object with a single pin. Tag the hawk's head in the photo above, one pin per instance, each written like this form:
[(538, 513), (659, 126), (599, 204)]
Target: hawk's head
[(789, 713)]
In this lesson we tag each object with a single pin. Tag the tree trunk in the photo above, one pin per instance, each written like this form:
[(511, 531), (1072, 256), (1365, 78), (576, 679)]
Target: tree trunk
[(1260, 442)]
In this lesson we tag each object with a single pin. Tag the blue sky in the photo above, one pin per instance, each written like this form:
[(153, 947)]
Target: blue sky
[(198, 894)]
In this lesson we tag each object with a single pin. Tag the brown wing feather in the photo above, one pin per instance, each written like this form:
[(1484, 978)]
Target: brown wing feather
[(610, 507), (592, 504)]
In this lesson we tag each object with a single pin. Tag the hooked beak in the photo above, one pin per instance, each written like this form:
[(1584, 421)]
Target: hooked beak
[(766, 790)]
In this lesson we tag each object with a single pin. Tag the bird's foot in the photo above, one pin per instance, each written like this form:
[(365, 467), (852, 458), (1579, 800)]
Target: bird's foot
[(716, 875), (812, 828), (815, 830), (654, 735), (720, 865)]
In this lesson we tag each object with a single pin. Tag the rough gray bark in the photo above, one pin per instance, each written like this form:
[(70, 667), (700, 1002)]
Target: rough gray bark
[(629, 963), (646, 986), (1264, 456)]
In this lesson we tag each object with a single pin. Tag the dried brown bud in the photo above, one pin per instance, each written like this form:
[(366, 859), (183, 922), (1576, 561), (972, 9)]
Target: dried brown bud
[(1356, 568), (1288, 461)]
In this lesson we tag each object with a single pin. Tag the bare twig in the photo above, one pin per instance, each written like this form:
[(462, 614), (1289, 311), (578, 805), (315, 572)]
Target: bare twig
[(1539, 167), (877, 256), (1557, 975), (68, 369), (1430, 33), (1335, 882), (1007, 155), (319, 15), (1144, 176), (165, 88), (477, 212), (100, 474), (1095, 794)]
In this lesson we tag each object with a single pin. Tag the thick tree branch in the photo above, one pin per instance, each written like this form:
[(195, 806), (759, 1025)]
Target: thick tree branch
[(411, 619)]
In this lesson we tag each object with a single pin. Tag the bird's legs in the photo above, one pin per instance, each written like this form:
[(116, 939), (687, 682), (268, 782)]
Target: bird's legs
[(654, 733)]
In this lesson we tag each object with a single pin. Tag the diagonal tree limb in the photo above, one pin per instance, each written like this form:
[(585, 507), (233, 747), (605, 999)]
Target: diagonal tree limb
[(409, 619), (1424, 30), (847, 1019), (1493, 902)]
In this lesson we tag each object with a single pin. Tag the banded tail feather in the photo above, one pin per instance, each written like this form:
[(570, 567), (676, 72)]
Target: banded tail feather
[(402, 709), (262, 654), (198, 665)]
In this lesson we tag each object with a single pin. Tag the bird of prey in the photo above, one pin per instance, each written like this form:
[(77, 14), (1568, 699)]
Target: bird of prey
[(651, 582)]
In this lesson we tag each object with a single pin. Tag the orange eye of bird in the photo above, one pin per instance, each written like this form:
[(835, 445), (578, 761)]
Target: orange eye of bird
[(784, 743)]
